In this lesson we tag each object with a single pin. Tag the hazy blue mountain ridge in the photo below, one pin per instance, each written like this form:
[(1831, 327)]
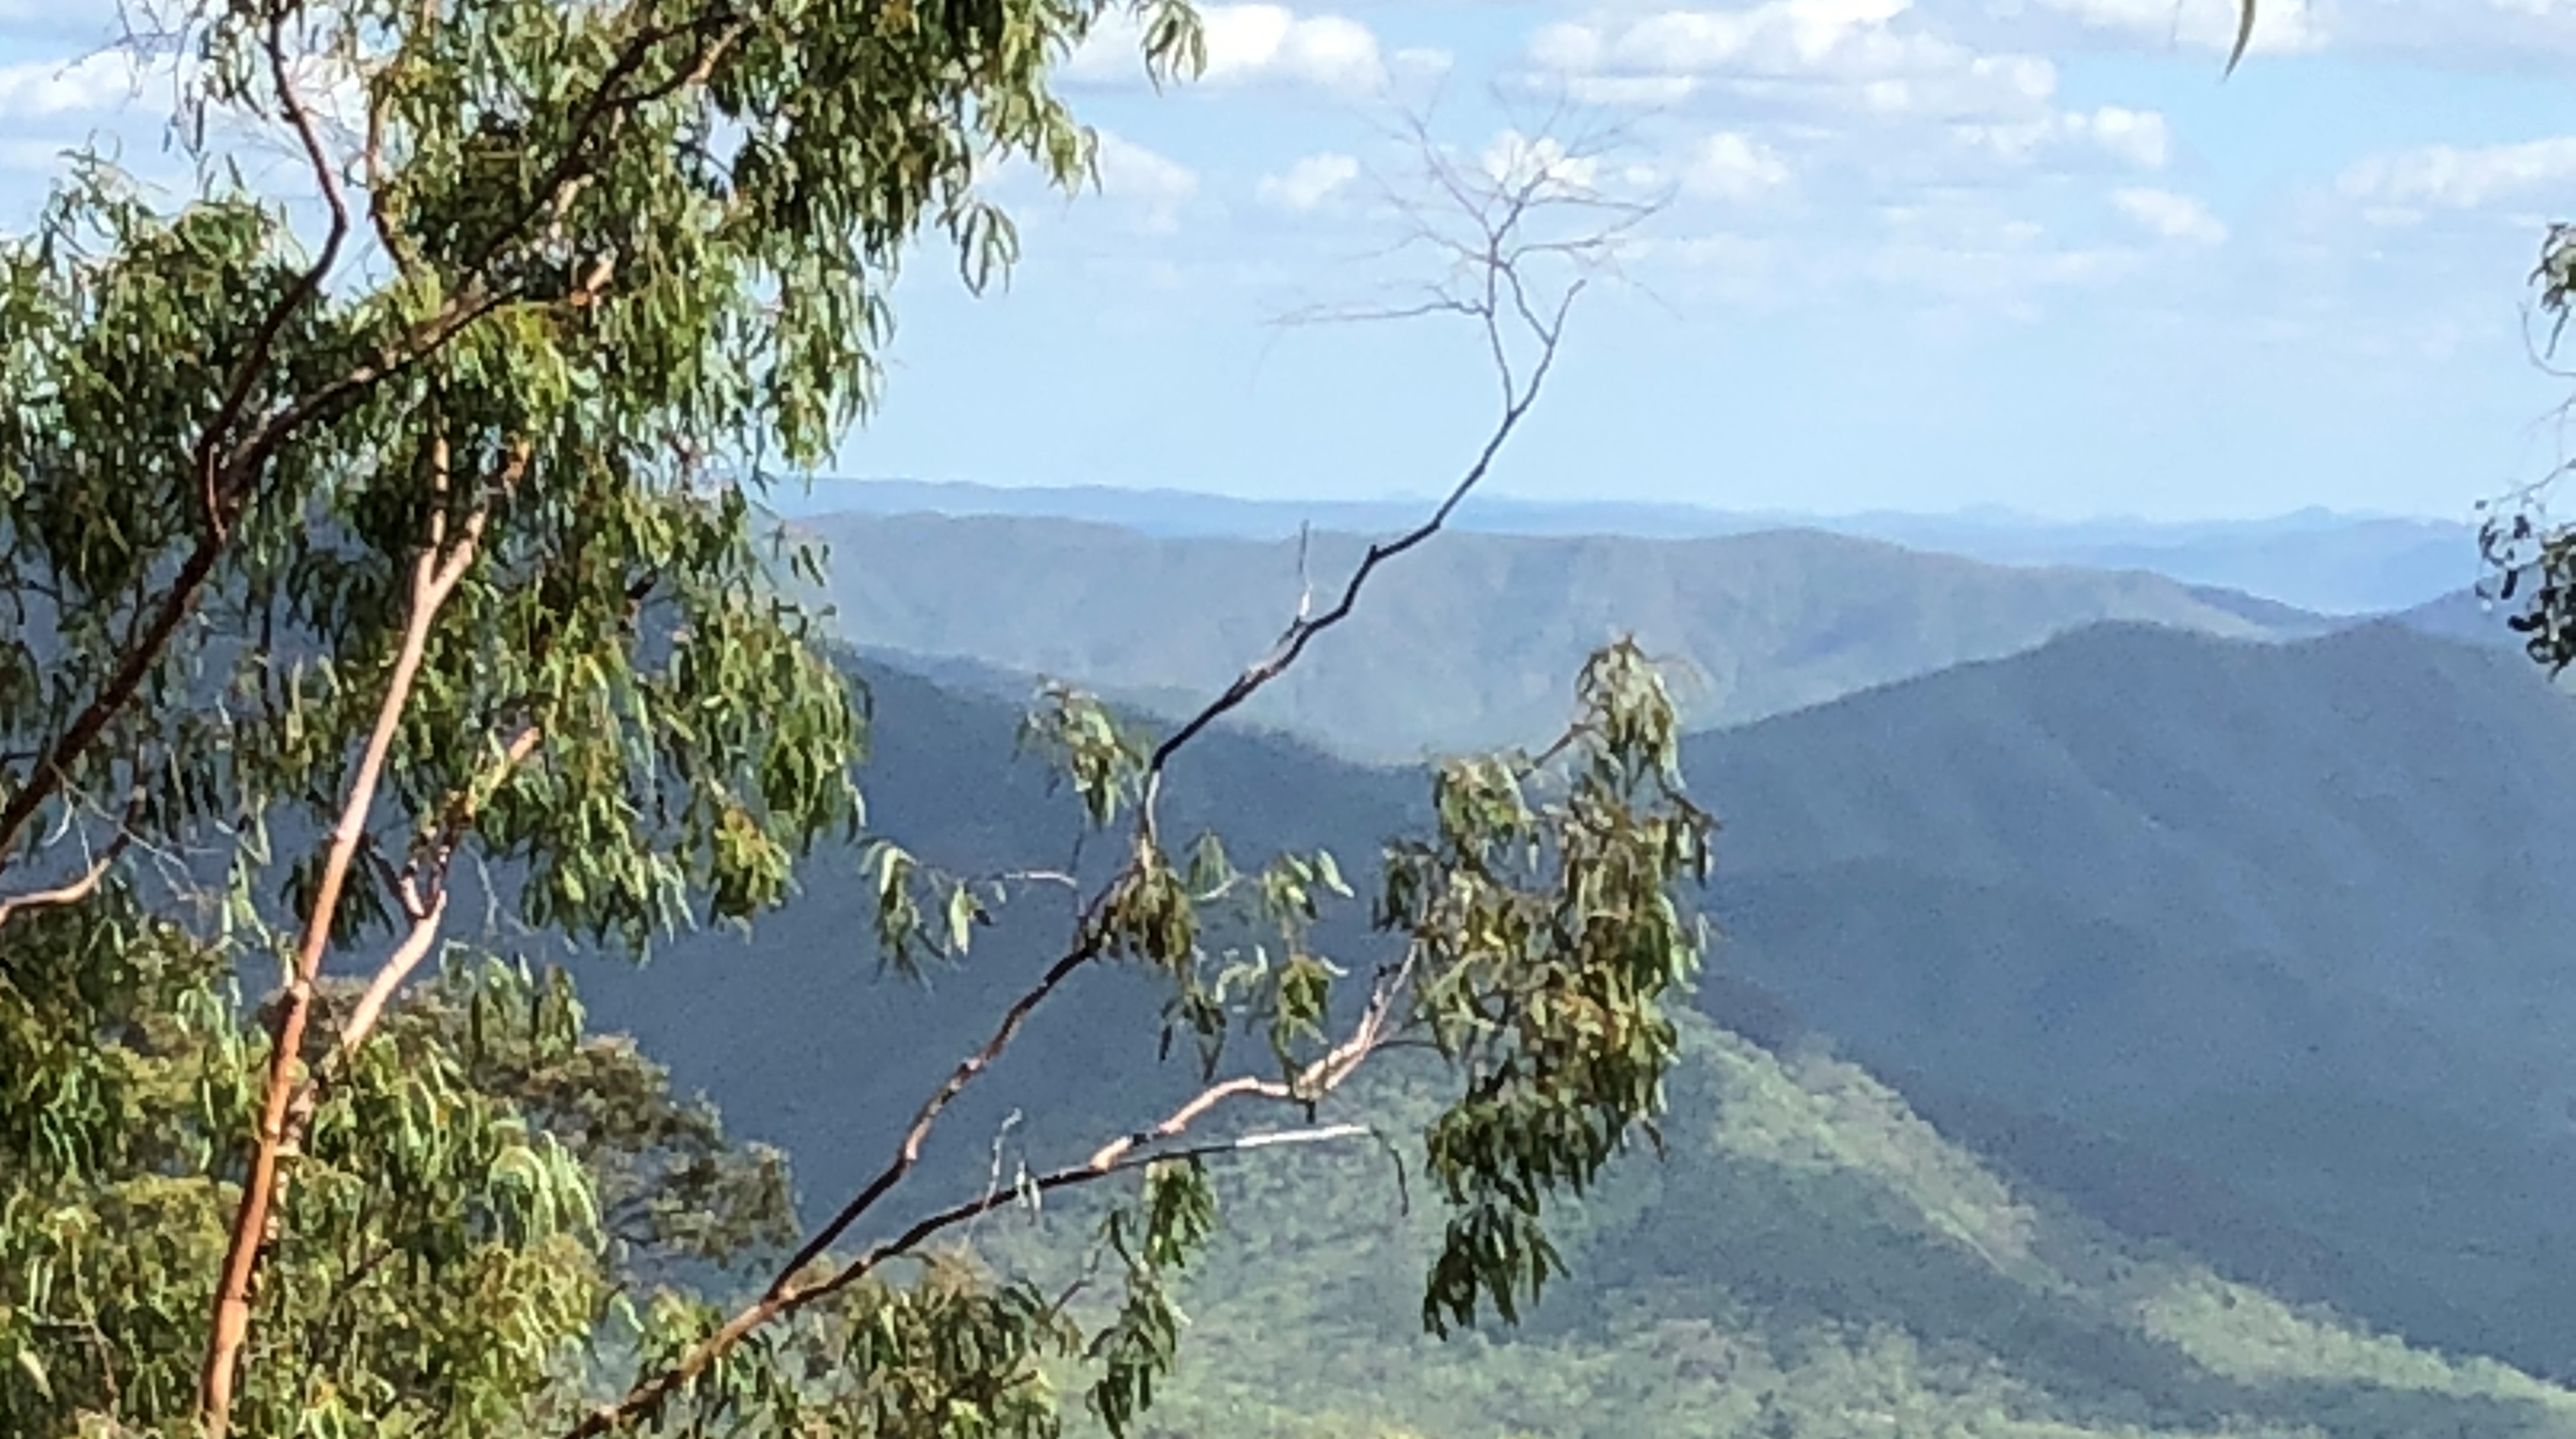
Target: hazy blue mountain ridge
[(1469, 642), (2314, 559)]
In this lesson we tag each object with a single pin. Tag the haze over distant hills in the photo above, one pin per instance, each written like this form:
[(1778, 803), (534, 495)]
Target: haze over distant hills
[(2134, 991), (1468, 642), (2313, 559)]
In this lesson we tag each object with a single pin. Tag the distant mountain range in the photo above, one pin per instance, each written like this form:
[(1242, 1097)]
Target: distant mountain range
[(2258, 951), (2320, 560), (1469, 641)]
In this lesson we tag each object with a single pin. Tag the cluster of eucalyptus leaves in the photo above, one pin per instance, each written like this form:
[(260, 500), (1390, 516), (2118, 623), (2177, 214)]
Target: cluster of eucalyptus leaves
[(410, 553), (2531, 559)]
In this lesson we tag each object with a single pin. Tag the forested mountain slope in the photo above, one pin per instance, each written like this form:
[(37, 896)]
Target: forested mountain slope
[(2260, 950), (2291, 919), (1810, 1259)]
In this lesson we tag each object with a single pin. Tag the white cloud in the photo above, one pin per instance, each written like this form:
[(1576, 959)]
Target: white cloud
[(2171, 216), (1964, 256), (1425, 61), (1649, 91), (1850, 53), (1267, 42), (1255, 45), (1131, 173), (2454, 177), (2136, 138), (1309, 182), (2477, 33), (1732, 166), (1981, 259), (1780, 36), (102, 81), (2140, 137)]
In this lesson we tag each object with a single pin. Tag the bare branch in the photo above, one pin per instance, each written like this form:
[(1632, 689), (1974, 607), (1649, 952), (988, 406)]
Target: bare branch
[(1489, 282), (221, 488), (1310, 1086), (907, 1156), (785, 1296)]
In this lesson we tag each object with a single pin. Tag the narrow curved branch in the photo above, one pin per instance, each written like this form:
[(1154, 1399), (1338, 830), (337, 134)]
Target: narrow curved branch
[(71, 893), (907, 1155)]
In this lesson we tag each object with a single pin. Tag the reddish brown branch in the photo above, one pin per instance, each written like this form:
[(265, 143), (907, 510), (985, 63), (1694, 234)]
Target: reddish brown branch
[(1502, 302), (434, 577), (228, 477)]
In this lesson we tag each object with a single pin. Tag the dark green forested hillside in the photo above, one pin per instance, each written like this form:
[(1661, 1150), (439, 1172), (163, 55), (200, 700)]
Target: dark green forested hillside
[(2282, 985), (1811, 1259), (2288, 922), (1470, 642)]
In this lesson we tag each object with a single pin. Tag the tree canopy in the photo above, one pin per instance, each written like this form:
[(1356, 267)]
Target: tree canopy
[(387, 543)]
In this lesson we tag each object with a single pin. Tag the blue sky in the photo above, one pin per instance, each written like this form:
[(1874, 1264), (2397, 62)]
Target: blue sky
[(2029, 253)]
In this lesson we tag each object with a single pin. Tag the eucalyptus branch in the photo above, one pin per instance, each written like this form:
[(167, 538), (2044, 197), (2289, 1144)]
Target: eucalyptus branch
[(1494, 291), (226, 478), (441, 564), (70, 893), (1309, 1086), (221, 483), (380, 991), (907, 1156)]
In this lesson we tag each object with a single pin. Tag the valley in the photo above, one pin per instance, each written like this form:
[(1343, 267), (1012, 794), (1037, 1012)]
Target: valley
[(2221, 962)]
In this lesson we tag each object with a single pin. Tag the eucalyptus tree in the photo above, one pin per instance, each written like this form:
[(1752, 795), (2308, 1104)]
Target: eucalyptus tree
[(391, 535)]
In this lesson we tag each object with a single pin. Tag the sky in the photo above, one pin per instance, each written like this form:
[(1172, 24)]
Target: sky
[(2035, 254)]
